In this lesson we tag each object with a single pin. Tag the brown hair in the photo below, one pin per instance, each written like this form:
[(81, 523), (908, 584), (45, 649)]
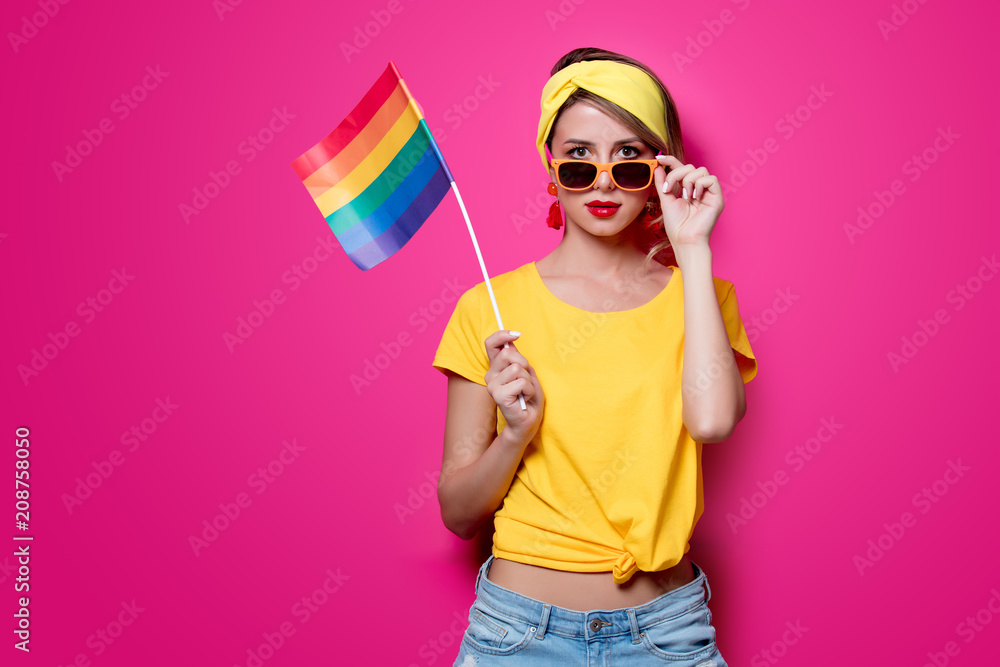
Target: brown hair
[(654, 240)]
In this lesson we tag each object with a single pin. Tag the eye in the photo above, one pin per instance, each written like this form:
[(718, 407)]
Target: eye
[(578, 156), (630, 151)]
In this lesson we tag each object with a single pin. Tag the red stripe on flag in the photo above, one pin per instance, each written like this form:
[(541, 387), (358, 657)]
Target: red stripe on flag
[(349, 128)]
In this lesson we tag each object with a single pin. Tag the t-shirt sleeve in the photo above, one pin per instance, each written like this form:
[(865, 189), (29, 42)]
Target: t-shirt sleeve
[(737, 334), (462, 348)]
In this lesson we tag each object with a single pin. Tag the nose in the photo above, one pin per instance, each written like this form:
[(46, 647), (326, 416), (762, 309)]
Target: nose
[(604, 181)]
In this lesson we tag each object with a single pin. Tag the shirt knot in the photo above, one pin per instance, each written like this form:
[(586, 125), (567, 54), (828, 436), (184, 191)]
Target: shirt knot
[(625, 567)]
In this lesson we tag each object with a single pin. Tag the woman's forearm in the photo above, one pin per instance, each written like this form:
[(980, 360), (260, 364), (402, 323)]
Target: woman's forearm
[(470, 495), (712, 387)]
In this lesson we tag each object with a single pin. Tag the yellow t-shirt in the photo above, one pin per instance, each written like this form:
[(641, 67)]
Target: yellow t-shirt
[(612, 479)]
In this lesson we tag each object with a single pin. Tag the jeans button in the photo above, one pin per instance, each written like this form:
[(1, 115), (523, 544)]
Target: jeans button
[(595, 625)]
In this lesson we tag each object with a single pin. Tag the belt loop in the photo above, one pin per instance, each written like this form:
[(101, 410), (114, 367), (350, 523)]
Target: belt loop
[(544, 622), (482, 570), (634, 622), (704, 577)]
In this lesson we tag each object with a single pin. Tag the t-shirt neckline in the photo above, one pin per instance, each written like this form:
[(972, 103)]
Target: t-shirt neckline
[(570, 308)]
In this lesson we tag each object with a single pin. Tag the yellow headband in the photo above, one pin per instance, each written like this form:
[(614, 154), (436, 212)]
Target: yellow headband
[(628, 87)]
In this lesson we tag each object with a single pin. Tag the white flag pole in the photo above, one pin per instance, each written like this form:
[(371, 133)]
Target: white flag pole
[(482, 265), (454, 187)]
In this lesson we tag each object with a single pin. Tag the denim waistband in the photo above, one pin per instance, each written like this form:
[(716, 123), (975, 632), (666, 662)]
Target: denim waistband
[(597, 622)]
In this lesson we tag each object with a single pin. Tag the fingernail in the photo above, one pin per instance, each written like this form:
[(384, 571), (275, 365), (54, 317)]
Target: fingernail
[(515, 333), (685, 193), (665, 189)]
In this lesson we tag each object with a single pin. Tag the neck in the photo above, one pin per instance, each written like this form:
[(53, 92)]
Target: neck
[(600, 257)]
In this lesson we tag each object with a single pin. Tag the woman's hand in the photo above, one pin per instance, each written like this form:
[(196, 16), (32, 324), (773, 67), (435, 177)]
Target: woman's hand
[(510, 374), (690, 219)]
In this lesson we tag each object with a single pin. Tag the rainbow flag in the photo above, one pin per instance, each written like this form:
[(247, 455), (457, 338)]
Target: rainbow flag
[(378, 175)]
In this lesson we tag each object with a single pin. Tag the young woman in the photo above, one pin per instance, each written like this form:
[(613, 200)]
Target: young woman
[(626, 366)]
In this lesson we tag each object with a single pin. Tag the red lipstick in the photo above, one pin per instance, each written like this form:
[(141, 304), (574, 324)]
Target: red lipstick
[(602, 209)]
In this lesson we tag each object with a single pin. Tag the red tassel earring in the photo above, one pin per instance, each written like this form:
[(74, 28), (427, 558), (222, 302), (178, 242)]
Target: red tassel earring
[(555, 214), (650, 213)]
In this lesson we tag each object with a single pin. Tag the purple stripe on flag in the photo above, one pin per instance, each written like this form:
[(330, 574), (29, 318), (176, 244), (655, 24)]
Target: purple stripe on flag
[(390, 241)]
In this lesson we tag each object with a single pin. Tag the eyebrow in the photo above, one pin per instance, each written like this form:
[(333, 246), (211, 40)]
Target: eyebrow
[(630, 140)]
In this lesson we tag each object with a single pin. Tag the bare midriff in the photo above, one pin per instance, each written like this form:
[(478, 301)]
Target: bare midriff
[(585, 591)]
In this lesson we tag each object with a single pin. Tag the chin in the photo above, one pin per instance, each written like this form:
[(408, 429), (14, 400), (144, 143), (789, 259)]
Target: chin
[(606, 226), (604, 229)]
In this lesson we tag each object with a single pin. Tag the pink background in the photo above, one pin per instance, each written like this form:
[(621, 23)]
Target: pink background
[(825, 311)]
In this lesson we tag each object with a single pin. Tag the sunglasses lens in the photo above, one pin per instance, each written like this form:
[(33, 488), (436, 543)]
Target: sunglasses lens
[(631, 174), (577, 174)]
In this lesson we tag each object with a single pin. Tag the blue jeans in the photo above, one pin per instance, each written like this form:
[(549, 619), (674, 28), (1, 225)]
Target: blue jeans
[(507, 628)]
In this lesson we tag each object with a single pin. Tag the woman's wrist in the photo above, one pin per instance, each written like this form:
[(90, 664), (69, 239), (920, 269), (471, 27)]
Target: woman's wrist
[(688, 253), (508, 438)]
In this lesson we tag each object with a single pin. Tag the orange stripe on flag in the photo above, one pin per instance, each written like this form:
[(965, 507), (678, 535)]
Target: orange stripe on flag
[(360, 147)]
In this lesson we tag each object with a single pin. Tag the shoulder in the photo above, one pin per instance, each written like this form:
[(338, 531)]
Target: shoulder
[(723, 287), (503, 283)]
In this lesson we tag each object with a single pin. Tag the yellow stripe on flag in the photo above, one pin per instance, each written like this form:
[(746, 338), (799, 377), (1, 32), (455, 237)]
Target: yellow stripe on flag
[(372, 166)]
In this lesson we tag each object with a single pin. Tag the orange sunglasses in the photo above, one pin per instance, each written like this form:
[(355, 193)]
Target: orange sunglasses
[(627, 175)]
